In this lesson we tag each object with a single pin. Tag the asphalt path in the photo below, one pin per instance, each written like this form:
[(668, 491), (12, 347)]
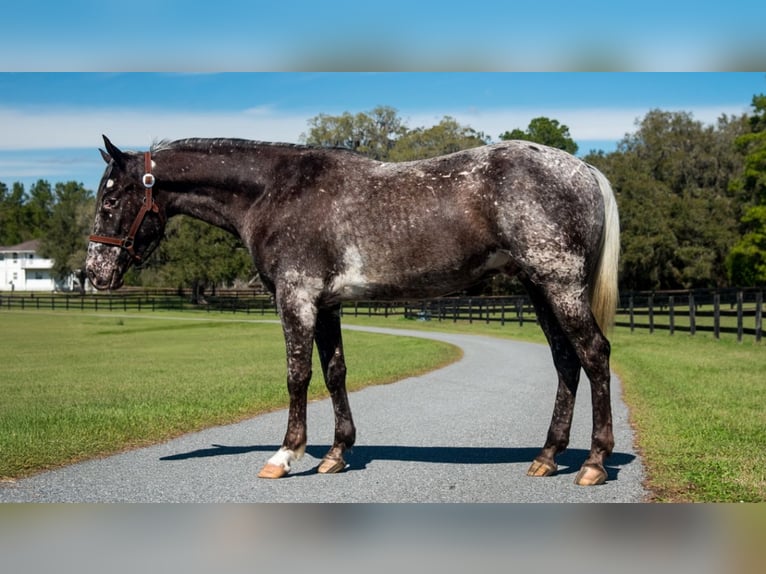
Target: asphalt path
[(464, 433)]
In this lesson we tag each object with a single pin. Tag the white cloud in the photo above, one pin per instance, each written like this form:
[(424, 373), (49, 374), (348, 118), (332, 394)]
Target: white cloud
[(26, 129), (60, 144), (58, 128)]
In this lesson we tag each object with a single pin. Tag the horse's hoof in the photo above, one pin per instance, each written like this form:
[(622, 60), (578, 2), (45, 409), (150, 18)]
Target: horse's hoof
[(591, 475), (331, 466), (540, 468), (272, 471)]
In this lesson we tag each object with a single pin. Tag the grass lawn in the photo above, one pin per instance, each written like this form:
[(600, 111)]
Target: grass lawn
[(700, 409), (75, 386)]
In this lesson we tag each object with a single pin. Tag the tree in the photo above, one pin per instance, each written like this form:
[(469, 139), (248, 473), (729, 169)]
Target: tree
[(372, 134), (66, 235), (544, 131), (678, 216), (448, 136), (12, 214), (198, 255), (746, 262), (747, 259), (38, 209)]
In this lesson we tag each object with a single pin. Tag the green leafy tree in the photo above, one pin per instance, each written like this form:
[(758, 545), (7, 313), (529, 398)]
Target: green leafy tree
[(12, 224), (448, 136), (199, 256), (747, 259), (678, 216), (372, 133), (66, 235), (544, 131), (38, 209), (746, 262)]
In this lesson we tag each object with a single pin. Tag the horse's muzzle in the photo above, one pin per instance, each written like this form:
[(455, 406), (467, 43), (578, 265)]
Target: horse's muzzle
[(103, 266)]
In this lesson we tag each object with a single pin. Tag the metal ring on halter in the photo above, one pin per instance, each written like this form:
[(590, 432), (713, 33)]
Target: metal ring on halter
[(148, 180)]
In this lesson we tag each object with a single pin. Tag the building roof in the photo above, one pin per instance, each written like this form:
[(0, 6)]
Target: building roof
[(32, 245)]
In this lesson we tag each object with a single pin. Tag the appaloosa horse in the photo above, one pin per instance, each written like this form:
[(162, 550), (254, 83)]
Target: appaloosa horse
[(328, 225)]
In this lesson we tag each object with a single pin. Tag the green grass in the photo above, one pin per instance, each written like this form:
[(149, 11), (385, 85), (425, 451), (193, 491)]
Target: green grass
[(75, 386), (698, 406)]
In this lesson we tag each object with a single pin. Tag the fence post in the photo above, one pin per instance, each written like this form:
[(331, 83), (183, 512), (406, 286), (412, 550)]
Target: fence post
[(740, 325), (651, 314), (717, 315), (672, 314), (758, 316), (692, 315), (631, 306)]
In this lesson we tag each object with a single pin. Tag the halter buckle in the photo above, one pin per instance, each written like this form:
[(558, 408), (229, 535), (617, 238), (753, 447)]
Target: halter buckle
[(148, 180)]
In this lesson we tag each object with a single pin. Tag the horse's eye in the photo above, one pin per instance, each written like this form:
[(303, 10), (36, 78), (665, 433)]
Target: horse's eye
[(111, 202)]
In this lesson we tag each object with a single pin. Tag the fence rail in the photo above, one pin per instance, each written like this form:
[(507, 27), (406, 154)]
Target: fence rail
[(738, 312)]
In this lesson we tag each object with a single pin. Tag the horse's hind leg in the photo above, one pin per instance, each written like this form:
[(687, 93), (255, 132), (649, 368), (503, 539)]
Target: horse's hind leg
[(568, 368), (330, 347), (575, 319)]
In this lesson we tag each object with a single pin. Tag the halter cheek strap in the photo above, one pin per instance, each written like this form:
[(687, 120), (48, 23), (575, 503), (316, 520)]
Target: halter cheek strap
[(149, 205)]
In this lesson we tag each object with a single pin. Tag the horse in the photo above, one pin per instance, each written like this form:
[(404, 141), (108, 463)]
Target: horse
[(328, 225)]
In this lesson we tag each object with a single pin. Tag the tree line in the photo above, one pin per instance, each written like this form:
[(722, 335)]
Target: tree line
[(692, 200)]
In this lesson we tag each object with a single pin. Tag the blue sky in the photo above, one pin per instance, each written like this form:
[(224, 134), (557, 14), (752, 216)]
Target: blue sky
[(52, 122), (269, 35)]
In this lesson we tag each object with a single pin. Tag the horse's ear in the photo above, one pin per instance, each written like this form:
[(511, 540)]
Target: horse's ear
[(112, 152)]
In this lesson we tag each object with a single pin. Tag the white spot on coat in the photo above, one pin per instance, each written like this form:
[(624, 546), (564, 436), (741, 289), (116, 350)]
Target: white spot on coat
[(352, 281)]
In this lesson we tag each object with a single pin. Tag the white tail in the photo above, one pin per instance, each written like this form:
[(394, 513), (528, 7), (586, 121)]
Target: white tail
[(603, 285)]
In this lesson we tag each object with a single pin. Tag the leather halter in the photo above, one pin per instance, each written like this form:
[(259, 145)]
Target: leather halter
[(149, 205)]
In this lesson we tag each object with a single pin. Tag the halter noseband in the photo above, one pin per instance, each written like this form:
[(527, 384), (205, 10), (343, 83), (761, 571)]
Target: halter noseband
[(128, 242)]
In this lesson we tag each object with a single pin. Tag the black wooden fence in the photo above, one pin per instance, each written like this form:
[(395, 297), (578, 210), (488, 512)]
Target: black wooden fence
[(738, 312), (732, 311)]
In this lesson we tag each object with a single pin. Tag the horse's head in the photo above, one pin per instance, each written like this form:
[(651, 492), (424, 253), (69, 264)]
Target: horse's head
[(129, 223)]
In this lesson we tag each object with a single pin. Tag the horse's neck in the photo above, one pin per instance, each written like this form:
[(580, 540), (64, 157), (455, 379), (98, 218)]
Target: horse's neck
[(207, 189), (205, 206)]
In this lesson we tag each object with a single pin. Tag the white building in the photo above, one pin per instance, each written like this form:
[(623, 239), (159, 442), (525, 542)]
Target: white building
[(22, 269)]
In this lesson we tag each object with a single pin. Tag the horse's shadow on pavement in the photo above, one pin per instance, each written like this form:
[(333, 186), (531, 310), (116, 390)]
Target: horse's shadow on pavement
[(569, 462)]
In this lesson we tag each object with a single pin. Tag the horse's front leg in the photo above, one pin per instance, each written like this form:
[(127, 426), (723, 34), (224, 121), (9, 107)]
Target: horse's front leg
[(330, 348), (298, 314)]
